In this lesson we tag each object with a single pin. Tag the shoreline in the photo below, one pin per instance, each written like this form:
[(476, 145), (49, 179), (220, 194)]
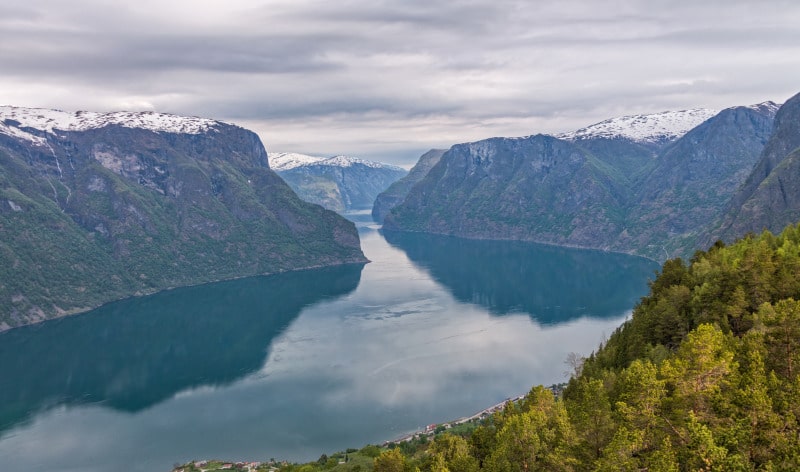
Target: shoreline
[(428, 431), (431, 429), (146, 293)]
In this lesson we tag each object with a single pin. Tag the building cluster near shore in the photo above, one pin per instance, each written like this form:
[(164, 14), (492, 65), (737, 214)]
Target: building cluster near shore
[(433, 429)]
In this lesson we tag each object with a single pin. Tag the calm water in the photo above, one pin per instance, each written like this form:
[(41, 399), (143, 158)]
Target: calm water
[(299, 364)]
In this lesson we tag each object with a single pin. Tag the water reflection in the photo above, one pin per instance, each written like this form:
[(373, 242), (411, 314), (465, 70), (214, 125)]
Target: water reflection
[(135, 353), (551, 284), (416, 342)]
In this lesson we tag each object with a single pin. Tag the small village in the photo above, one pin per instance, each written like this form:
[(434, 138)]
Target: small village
[(434, 429), (212, 465)]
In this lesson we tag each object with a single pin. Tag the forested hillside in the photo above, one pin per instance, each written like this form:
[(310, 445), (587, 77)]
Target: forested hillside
[(704, 376)]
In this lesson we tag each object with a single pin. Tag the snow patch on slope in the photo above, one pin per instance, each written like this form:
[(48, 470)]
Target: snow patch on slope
[(653, 128), (282, 161), (345, 161), (768, 107), (15, 132), (16, 122), (290, 160)]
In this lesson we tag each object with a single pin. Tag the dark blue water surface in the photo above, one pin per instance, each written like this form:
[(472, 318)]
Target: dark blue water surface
[(300, 364)]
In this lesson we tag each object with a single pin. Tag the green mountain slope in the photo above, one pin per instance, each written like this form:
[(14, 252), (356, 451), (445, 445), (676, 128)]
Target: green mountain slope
[(397, 192), (93, 215), (538, 188), (693, 179)]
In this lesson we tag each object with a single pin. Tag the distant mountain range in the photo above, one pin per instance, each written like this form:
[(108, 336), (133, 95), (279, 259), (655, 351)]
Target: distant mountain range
[(654, 185), (338, 183), (100, 206)]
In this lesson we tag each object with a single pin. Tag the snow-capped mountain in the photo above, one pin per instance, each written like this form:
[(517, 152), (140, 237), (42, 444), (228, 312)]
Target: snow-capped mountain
[(338, 183), (107, 205), (283, 161), (21, 122), (280, 161), (654, 128), (769, 107)]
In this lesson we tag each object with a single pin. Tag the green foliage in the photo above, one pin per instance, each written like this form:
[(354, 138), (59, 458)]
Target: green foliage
[(539, 437), (703, 373), (370, 450), (451, 452), (390, 461)]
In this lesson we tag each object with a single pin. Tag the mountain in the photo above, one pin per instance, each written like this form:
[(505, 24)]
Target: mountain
[(653, 129), (770, 197), (637, 184), (397, 192), (693, 179), (537, 188), (337, 183), (99, 206), (630, 144)]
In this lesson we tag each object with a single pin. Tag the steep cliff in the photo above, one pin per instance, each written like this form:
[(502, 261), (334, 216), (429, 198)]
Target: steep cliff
[(537, 188), (693, 179), (96, 207), (397, 192), (770, 197)]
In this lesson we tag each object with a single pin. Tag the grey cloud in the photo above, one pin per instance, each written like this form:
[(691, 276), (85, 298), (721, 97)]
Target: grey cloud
[(412, 12), (470, 65), (88, 54), (14, 13)]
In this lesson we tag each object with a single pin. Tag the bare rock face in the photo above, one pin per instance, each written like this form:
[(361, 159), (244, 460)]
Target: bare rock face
[(97, 207)]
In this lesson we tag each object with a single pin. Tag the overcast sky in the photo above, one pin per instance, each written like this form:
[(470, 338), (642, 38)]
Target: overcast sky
[(387, 80)]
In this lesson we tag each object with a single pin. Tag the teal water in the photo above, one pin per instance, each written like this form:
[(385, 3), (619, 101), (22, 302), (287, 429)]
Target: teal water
[(296, 365)]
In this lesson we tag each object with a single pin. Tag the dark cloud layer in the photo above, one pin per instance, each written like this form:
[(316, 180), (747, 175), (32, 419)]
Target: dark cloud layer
[(386, 78)]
